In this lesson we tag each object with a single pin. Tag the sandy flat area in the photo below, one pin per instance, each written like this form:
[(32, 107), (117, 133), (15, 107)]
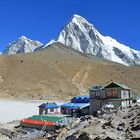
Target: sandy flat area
[(16, 110)]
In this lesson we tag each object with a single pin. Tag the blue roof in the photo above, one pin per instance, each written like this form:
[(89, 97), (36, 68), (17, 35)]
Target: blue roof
[(80, 99), (138, 97), (75, 105), (48, 105), (96, 87)]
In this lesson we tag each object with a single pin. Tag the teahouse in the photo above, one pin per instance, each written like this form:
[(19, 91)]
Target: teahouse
[(112, 95), (49, 108), (79, 105)]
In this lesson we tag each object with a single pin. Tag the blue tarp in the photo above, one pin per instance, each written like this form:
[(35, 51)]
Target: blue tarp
[(75, 105), (48, 105), (96, 88), (80, 99), (138, 98)]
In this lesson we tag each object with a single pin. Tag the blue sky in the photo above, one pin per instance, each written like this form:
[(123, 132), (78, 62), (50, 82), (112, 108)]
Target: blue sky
[(43, 19)]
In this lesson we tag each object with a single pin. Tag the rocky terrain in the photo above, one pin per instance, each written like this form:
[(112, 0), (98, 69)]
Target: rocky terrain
[(58, 72), (123, 125)]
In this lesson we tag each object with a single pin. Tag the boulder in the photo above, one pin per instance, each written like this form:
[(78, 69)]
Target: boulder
[(72, 137), (84, 136), (136, 127)]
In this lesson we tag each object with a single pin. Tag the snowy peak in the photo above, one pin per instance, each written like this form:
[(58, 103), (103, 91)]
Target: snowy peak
[(82, 22), (22, 45), (45, 46), (82, 36), (23, 38), (78, 19), (78, 34)]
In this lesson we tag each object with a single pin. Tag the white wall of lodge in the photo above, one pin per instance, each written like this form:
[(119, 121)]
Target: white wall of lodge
[(125, 103), (124, 94), (49, 111)]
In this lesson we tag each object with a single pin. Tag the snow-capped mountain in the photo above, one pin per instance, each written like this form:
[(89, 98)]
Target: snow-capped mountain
[(22, 45), (79, 34), (44, 46)]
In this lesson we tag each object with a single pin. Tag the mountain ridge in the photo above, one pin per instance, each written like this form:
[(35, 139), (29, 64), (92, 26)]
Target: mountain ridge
[(59, 72), (22, 45), (81, 35)]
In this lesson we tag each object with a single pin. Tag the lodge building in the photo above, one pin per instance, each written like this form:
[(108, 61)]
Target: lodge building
[(113, 94), (79, 105)]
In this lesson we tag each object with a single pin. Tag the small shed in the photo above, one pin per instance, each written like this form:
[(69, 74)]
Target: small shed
[(138, 99), (49, 108), (80, 99), (75, 109), (78, 105), (111, 95)]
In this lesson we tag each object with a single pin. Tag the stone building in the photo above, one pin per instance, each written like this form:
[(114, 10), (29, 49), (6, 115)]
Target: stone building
[(112, 95)]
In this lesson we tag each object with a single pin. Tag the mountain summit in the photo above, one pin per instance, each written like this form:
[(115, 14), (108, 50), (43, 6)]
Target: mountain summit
[(22, 45), (82, 36)]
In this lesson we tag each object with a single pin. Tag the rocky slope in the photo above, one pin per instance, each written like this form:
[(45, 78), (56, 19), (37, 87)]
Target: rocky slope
[(122, 125), (22, 45), (59, 72), (79, 34)]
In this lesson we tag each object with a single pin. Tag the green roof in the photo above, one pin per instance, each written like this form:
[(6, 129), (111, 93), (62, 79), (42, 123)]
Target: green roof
[(46, 118), (100, 87), (118, 84)]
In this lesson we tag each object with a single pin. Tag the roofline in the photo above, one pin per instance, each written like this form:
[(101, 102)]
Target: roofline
[(119, 84)]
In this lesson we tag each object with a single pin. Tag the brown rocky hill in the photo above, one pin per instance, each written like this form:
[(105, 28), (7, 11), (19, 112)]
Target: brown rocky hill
[(59, 72)]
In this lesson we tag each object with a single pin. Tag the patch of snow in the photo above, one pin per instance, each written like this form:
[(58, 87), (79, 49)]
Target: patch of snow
[(45, 46), (51, 42)]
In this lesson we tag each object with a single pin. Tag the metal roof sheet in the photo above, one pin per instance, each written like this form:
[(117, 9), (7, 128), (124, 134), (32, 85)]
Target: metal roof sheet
[(75, 105), (48, 105), (138, 97), (119, 84), (46, 118), (80, 99)]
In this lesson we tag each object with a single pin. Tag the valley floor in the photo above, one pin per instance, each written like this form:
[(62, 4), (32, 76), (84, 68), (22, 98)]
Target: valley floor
[(122, 125), (11, 110)]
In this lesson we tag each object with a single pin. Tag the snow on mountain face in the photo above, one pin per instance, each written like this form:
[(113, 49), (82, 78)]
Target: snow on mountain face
[(22, 45), (44, 46), (82, 36)]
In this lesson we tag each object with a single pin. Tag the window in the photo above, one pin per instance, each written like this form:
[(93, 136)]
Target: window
[(124, 94), (97, 94), (51, 109), (46, 111), (112, 93)]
